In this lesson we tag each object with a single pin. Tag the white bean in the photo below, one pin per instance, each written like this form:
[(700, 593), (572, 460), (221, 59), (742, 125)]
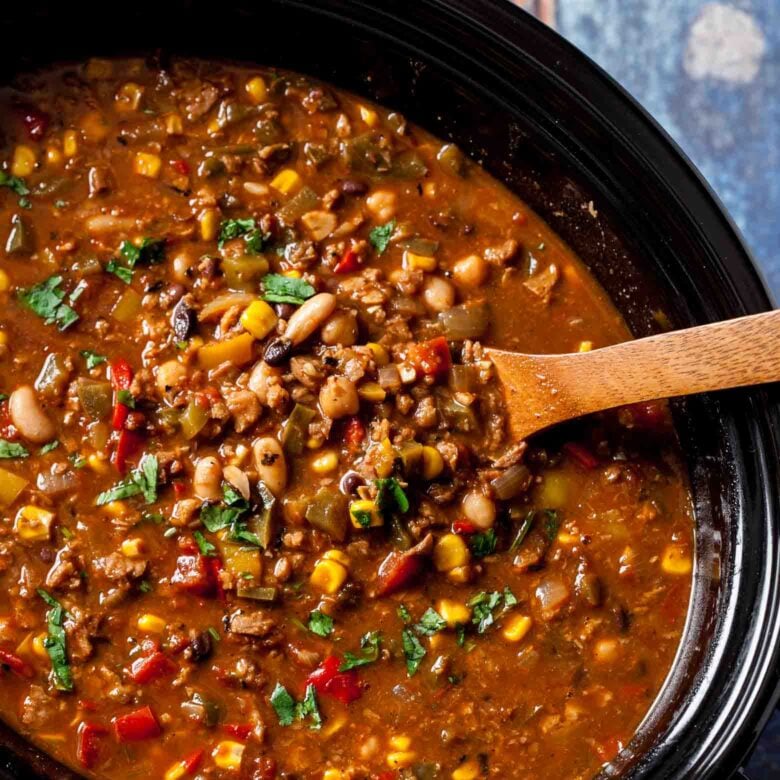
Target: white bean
[(438, 294), (479, 509), (340, 329), (183, 262), (381, 204), (271, 464), (471, 271), (207, 480), (238, 479), (29, 417), (261, 377), (309, 317), (170, 375), (339, 397)]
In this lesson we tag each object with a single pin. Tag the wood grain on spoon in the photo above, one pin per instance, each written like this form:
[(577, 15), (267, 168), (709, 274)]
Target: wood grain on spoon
[(542, 390)]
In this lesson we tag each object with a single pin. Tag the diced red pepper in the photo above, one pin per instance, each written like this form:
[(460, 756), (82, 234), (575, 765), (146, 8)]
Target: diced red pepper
[(194, 575), (354, 432), (88, 744), (34, 120), (137, 725), (151, 667), (398, 571), (181, 166), (350, 262), (238, 730), (121, 374), (128, 444), (15, 664), (179, 489), (583, 456), (463, 527), (119, 416), (327, 679), (431, 358), (191, 762)]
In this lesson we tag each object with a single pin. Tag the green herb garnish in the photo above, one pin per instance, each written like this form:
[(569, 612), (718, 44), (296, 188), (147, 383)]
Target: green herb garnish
[(126, 397), (369, 644), (288, 710), (390, 496), (46, 300), (93, 359), (430, 623), (285, 289), (142, 481), (52, 445), (56, 643), (403, 613), (380, 236), (204, 545), (150, 251), (413, 651), (483, 606), (10, 449), (484, 544), (17, 185), (320, 623), (120, 271)]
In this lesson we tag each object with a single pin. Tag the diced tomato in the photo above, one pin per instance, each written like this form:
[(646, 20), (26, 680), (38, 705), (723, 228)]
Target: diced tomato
[(354, 432), (350, 261), (194, 575), (583, 456), (151, 667), (431, 358), (128, 444), (388, 774), (15, 664), (121, 374), (463, 527), (398, 571), (181, 166), (137, 725), (238, 730), (88, 745), (34, 120), (327, 679)]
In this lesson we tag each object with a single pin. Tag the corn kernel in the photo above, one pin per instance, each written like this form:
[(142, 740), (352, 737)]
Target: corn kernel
[(366, 511), (23, 162), (209, 220), (567, 538), (173, 124), (433, 463), (334, 724), (38, 646), (116, 508), (133, 548), (369, 116), (152, 624), (676, 560), (333, 774), (460, 575), (94, 126), (401, 759), (98, 463), (5, 281), (227, 754), (424, 263), (468, 771), (314, 442), (292, 273), (372, 392), (33, 524), (328, 576), (400, 742), (70, 143), (213, 127), (454, 612), (286, 181), (430, 190), (384, 460), (337, 555), (3, 337), (450, 552), (516, 627), (259, 319), (176, 771), (325, 462), (256, 89), (379, 353), (585, 346), (128, 97), (148, 165), (53, 156), (606, 651)]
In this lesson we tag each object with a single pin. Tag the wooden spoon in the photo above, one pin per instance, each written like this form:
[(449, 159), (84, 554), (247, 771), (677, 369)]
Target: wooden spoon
[(542, 390)]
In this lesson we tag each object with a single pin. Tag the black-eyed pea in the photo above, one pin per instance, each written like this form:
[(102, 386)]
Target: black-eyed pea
[(207, 480), (270, 464)]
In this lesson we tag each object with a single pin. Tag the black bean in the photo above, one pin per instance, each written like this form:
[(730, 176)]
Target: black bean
[(183, 320), (278, 351), (350, 482), (284, 310), (354, 187), (200, 646)]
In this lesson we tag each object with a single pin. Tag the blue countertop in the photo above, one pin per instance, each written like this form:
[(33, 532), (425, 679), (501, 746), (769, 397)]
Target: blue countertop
[(709, 72)]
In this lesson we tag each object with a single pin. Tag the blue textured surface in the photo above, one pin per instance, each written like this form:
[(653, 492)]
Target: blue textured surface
[(709, 72)]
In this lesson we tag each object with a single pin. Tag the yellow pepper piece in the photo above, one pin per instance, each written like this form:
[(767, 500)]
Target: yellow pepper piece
[(433, 463), (450, 553), (227, 754), (148, 165), (286, 181), (468, 771), (23, 162), (237, 350), (372, 392), (380, 354), (454, 612), (424, 263), (259, 319), (208, 221), (33, 524)]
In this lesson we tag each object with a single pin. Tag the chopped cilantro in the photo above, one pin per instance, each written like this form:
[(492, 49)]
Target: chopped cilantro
[(285, 289), (510, 600), (550, 524), (45, 299), (413, 651), (121, 271), (216, 517), (369, 645), (363, 517), (9, 449), (142, 481), (93, 359), (430, 623), (145, 586), (380, 236), (309, 708), (204, 545), (390, 496), (78, 461), (522, 532), (3, 397), (56, 643), (460, 634), (17, 185), (234, 228), (52, 445), (484, 544), (214, 634), (320, 623), (483, 606), (149, 252), (67, 534), (288, 710), (403, 613), (126, 397)]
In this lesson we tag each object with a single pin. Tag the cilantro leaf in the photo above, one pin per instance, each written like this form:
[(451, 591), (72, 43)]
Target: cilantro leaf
[(510, 600), (150, 251), (369, 644), (413, 651), (78, 461), (204, 545), (380, 236), (283, 704), (550, 524), (14, 183), (320, 623), (390, 496), (363, 517), (142, 481), (309, 708), (430, 623), (126, 397), (216, 517), (484, 544), (285, 289), (45, 299), (92, 358), (403, 613), (56, 643), (121, 271), (254, 238), (483, 606), (52, 445), (9, 449)]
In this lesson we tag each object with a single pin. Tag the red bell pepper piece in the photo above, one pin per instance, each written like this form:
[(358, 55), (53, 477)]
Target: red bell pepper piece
[(137, 725), (151, 667), (119, 416), (463, 527), (127, 445), (354, 432), (431, 358), (327, 679), (34, 120), (15, 664), (194, 575), (181, 166), (398, 571), (238, 730), (350, 261), (583, 456), (121, 374), (88, 744), (191, 762)]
